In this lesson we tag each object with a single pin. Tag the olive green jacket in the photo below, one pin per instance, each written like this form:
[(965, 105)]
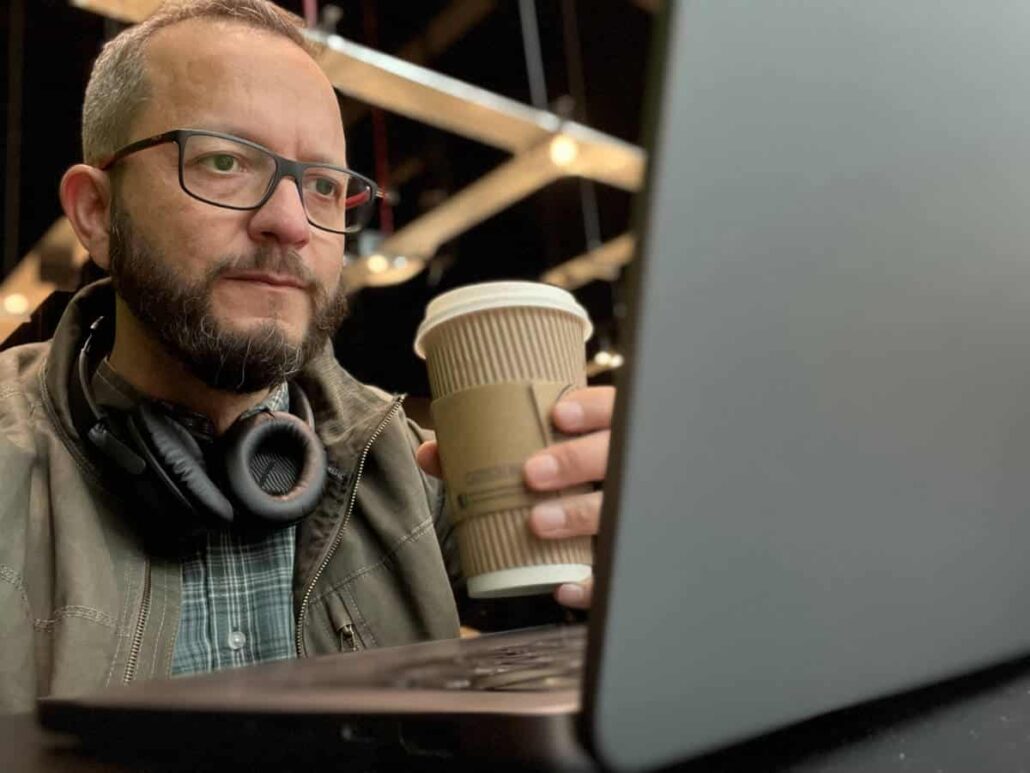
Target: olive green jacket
[(82, 604)]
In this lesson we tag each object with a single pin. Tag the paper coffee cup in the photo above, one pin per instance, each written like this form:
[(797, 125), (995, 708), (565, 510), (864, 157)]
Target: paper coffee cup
[(499, 355)]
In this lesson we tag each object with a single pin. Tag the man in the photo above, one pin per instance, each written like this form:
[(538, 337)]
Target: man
[(226, 284)]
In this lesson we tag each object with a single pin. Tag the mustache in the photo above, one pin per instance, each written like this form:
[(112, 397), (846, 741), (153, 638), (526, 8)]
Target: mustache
[(277, 261), (286, 262)]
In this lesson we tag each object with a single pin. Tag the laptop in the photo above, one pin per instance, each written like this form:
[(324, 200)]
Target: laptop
[(818, 493)]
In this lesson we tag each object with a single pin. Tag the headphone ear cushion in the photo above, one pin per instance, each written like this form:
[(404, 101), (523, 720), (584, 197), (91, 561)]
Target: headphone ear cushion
[(177, 459), (275, 466)]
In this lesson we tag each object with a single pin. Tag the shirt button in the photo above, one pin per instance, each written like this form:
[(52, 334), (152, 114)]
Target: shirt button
[(237, 639)]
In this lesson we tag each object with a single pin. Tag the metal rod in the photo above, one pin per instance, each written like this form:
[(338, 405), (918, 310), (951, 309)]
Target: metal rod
[(311, 13), (577, 85), (534, 56), (12, 187)]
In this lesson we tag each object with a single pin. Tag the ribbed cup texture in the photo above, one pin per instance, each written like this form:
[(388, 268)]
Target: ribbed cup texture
[(502, 540), (499, 345)]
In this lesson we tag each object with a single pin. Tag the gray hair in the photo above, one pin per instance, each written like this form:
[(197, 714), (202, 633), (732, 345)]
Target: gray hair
[(118, 85)]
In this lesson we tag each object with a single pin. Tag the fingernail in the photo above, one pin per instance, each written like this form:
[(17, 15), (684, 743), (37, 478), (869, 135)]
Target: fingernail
[(569, 413), (541, 469), (549, 517), (570, 594)]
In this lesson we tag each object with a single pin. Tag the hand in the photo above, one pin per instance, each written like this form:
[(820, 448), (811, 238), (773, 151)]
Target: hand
[(584, 459), (585, 412)]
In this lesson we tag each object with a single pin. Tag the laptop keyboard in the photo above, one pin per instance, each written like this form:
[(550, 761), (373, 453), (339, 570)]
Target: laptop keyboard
[(552, 662)]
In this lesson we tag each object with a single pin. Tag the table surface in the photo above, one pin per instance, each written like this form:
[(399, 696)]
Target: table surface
[(27, 748), (977, 723)]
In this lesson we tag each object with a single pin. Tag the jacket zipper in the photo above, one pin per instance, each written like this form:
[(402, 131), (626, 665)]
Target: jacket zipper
[(347, 639), (141, 624), (299, 632)]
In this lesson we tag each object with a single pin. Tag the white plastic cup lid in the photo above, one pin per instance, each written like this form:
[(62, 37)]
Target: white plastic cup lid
[(497, 295)]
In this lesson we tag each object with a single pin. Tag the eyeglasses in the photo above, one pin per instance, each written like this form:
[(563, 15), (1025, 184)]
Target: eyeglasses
[(234, 173)]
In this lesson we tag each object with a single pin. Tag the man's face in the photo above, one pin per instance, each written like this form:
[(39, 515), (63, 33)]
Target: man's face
[(207, 281)]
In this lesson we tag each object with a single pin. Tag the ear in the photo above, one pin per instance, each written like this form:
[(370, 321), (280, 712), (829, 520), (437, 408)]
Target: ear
[(86, 200)]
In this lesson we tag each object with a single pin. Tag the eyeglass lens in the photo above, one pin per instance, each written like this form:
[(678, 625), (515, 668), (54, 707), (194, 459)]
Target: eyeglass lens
[(222, 171)]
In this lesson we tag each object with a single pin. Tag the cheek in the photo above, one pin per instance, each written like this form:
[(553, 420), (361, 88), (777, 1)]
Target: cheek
[(327, 264), (161, 215), (195, 236)]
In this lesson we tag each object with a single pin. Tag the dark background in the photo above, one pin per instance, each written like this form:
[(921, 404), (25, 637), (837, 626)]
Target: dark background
[(49, 47)]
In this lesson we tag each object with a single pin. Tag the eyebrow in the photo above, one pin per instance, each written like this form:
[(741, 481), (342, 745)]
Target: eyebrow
[(243, 134)]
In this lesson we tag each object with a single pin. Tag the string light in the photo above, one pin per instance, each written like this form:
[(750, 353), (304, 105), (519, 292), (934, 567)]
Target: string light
[(604, 360)]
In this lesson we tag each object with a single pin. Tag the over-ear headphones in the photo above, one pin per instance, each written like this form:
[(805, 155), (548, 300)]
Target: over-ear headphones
[(268, 469)]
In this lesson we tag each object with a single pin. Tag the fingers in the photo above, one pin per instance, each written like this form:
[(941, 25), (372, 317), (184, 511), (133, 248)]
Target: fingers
[(569, 517), (577, 595), (584, 410), (581, 460), (428, 458), (587, 410), (575, 516)]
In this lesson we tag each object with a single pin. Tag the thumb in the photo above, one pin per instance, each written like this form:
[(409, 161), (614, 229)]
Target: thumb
[(428, 458)]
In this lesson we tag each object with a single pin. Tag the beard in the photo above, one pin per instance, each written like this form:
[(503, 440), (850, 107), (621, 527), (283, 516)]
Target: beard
[(179, 314)]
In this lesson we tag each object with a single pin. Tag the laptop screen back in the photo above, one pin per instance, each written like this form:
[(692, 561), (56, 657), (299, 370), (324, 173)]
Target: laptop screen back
[(822, 448)]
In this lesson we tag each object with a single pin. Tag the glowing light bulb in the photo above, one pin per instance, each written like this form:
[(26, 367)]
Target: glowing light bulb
[(603, 358), (16, 303), (563, 150), (616, 361), (377, 263)]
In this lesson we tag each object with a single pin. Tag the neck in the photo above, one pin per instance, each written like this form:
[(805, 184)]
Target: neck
[(144, 363)]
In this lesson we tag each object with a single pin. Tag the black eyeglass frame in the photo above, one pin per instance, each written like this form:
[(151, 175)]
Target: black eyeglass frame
[(284, 167)]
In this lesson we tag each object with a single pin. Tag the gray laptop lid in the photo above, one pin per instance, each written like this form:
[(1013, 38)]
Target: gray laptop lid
[(822, 473)]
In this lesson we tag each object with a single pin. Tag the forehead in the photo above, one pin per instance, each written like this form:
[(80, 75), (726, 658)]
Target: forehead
[(222, 75)]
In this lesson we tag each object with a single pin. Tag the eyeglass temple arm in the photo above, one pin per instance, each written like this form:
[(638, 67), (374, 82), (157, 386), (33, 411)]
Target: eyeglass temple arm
[(118, 155), (360, 198)]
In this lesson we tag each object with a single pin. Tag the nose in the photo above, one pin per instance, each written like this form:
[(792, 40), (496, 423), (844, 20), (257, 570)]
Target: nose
[(282, 218)]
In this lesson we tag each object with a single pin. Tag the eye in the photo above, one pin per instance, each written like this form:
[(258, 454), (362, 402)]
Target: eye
[(221, 162), (323, 186)]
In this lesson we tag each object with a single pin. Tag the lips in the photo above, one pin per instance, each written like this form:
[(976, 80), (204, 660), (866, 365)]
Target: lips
[(263, 277)]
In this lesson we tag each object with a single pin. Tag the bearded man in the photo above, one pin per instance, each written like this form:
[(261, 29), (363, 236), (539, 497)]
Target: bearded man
[(216, 192)]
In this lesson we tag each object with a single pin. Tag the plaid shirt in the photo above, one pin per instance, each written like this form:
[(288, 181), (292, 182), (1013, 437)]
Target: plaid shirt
[(237, 600), (237, 606)]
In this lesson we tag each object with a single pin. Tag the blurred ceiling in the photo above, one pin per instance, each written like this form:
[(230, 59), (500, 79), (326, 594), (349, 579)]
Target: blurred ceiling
[(593, 55)]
